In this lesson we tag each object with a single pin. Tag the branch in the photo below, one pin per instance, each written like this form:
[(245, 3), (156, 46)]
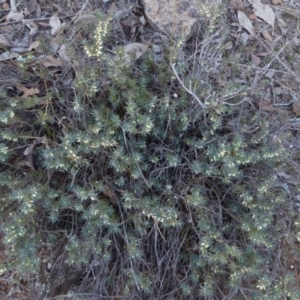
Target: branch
[(189, 91)]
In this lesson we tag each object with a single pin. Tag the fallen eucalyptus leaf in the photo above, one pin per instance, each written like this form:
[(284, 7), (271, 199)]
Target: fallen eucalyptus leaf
[(5, 6), (283, 174), (143, 20), (255, 60), (56, 24), (4, 41), (263, 11), (26, 163), (9, 81), (277, 2), (32, 5), (34, 45), (85, 19), (236, 4), (266, 106), (27, 92), (135, 50), (32, 26), (267, 35), (245, 22), (29, 149), (253, 17), (51, 61), (228, 45), (63, 54), (112, 8), (17, 16), (7, 55), (121, 14), (38, 11), (109, 192)]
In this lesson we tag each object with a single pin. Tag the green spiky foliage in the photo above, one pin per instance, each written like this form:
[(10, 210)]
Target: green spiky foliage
[(148, 193)]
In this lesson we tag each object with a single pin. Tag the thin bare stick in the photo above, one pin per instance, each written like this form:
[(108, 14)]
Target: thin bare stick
[(13, 5), (189, 91)]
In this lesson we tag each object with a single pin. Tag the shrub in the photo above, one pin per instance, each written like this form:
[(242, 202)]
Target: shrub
[(136, 187)]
